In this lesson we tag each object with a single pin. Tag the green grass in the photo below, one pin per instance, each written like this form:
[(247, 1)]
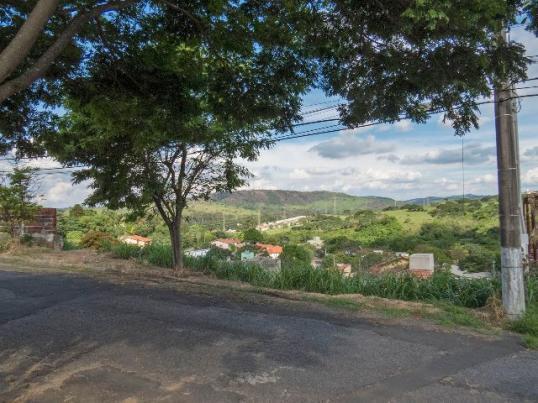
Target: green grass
[(440, 287), (452, 315), (528, 326)]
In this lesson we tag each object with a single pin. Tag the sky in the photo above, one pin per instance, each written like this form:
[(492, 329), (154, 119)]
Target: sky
[(402, 160)]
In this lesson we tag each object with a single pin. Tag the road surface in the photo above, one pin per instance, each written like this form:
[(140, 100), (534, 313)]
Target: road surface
[(82, 339)]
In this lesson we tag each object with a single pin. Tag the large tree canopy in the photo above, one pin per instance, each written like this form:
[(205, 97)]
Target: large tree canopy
[(163, 123), (406, 58), (387, 59)]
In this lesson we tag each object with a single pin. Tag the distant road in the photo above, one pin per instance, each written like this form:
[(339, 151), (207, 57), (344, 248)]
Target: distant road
[(78, 339)]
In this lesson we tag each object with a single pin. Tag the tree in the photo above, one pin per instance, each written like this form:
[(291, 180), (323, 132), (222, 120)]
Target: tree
[(296, 256), (252, 235), (45, 42), (76, 211), (17, 197), (168, 126), (406, 59), (389, 60)]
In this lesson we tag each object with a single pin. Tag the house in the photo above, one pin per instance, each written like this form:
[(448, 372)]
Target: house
[(227, 243), (421, 265), (288, 222), (247, 255), (135, 240), (273, 251), (344, 268), (196, 252), (316, 242), (402, 254)]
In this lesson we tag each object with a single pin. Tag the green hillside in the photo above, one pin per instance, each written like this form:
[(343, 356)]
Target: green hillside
[(295, 202)]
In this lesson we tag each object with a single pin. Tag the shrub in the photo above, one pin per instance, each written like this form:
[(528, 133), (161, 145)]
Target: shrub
[(5, 241), (74, 237), (125, 251), (158, 255), (27, 240), (96, 240), (252, 235), (478, 258), (296, 256)]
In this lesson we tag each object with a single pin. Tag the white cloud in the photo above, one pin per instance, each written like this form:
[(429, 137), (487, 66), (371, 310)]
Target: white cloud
[(346, 145)]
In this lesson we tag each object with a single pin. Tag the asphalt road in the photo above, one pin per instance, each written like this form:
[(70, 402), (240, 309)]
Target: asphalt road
[(78, 339)]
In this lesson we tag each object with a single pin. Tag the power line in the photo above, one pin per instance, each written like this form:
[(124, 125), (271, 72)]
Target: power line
[(294, 136)]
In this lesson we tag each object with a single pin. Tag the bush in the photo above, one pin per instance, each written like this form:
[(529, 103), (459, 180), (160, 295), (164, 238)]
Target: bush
[(5, 241), (125, 251), (478, 258), (27, 240), (296, 256), (158, 255), (96, 240), (74, 237), (252, 235)]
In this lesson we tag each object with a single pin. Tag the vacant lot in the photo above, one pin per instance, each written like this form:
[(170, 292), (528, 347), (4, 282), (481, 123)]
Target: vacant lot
[(100, 338)]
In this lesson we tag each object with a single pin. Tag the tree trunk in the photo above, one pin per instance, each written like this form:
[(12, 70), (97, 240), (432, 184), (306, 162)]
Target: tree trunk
[(177, 246)]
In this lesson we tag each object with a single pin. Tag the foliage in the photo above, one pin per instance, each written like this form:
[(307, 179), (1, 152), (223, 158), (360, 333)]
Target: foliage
[(439, 42), (5, 241), (17, 196), (175, 136), (126, 251), (76, 211), (479, 258), (252, 235), (96, 240), (295, 256)]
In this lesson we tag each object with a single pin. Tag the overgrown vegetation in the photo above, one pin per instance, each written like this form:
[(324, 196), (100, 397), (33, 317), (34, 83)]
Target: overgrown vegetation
[(299, 276)]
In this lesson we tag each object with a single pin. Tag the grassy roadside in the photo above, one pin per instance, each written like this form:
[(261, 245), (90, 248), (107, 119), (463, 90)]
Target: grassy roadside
[(484, 320)]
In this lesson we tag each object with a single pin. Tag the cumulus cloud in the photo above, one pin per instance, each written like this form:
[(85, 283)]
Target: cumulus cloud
[(347, 145), (484, 179), (473, 154), (530, 153), (532, 176)]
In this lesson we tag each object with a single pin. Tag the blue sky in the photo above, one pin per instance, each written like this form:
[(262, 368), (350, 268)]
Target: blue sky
[(403, 160)]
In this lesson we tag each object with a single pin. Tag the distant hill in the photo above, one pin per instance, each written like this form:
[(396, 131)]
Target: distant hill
[(435, 199), (301, 202)]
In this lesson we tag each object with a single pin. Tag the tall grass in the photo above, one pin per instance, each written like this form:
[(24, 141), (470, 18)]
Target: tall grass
[(442, 286)]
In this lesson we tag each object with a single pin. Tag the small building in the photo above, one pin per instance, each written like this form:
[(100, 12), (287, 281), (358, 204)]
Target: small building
[(247, 255), (274, 251), (378, 251), (196, 252), (227, 243), (344, 268), (402, 254), (136, 240), (42, 229), (316, 242), (421, 265)]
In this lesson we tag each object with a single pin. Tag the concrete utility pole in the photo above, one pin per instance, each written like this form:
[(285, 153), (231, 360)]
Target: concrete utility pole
[(513, 291)]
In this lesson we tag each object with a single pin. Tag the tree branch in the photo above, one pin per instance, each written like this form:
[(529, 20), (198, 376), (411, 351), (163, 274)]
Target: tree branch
[(41, 66), (19, 47)]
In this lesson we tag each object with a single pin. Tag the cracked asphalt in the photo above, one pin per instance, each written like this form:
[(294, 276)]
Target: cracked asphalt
[(81, 339)]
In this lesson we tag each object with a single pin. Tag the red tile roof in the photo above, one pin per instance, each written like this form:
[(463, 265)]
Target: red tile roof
[(271, 249)]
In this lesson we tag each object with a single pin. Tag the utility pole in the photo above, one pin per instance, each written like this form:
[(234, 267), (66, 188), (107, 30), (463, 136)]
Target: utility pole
[(513, 292)]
